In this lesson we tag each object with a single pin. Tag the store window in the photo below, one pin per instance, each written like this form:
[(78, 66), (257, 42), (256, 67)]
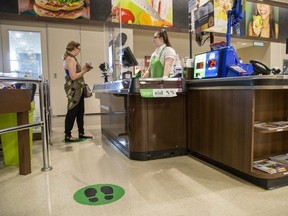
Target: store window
[(25, 55)]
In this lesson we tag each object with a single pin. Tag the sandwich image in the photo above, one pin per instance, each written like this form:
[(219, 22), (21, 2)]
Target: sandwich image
[(69, 9)]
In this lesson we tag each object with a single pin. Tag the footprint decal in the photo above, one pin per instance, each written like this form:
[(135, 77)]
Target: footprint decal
[(90, 193), (108, 191), (99, 194)]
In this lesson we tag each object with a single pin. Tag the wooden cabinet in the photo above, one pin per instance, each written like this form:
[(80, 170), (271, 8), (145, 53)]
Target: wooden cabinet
[(221, 116)]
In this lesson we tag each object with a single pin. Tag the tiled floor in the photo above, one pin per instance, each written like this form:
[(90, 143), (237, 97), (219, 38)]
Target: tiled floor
[(166, 187)]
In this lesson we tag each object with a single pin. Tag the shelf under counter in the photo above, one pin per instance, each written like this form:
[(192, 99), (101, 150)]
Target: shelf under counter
[(257, 130)]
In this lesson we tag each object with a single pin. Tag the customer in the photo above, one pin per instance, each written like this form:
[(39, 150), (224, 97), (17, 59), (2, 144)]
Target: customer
[(162, 59), (263, 23), (74, 87)]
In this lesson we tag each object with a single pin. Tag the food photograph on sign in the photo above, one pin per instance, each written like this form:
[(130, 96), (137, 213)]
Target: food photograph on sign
[(221, 7), (67, 9), (211, 15), (204, 16), (143, 12), (262, 20)]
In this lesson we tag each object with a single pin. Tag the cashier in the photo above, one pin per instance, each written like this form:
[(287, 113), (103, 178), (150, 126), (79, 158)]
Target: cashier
[(162, 59)]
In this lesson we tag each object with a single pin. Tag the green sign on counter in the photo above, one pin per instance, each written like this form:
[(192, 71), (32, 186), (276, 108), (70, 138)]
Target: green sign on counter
[(158, 93)]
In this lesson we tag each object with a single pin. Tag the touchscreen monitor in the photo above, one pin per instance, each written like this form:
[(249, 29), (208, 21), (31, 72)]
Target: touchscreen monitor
[(128, 59)]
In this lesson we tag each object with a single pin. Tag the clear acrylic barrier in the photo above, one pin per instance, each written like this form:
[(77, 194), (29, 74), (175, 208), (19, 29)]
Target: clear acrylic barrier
[(116, 38)]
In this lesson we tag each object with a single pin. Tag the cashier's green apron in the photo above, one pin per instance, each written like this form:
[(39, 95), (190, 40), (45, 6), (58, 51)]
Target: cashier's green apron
[(156, 68)]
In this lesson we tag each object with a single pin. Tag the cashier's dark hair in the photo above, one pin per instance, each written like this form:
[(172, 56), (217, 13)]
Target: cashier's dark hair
[(70, 46), (163, 33)]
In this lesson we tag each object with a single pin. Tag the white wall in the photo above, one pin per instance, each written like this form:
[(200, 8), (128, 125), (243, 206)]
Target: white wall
[(272, 54), (180, 42), (261, 54), (91, 41)]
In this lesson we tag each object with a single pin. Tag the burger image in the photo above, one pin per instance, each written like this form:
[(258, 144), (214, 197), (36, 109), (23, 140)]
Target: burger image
[(69, 9)]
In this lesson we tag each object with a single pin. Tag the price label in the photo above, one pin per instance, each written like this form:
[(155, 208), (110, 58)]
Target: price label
[(156, 93)]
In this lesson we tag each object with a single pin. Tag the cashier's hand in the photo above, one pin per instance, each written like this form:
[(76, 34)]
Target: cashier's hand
[(165, 77)]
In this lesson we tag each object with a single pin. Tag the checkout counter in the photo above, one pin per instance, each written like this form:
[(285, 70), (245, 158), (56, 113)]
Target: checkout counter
[(144, 127), (222, 113), (212, 119)]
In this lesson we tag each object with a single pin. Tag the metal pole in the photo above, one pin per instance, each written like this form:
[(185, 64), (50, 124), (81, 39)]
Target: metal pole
[(45, 146), (21, 127), (190, 34), (229, 25), (48, 112)]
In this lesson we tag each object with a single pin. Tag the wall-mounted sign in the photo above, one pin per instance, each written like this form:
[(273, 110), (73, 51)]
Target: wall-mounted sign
[(204, 17), (262, 20), (142, 12), (68, 9), (258, 43), (211, 15)]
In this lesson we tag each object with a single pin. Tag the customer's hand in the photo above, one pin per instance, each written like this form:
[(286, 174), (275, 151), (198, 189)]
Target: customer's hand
[(87, 67)]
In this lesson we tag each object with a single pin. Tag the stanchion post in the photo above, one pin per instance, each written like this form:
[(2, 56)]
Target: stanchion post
[(45, 145)]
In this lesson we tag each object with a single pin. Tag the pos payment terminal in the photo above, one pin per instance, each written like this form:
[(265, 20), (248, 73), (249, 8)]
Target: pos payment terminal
[(222, 60)]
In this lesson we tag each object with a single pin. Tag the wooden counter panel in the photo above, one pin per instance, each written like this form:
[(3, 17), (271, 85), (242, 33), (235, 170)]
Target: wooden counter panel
[(270, 144), (15, 100), (220, 126), (138, 124), (271, 105), (145, 128), (166, 123), (19, 101), (24, 145), (157, 123)]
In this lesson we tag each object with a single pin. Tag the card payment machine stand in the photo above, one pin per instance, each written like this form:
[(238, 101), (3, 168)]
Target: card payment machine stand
[(231, 65)]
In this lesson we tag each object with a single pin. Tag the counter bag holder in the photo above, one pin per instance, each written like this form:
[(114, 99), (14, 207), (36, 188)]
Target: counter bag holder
[(87, 91)]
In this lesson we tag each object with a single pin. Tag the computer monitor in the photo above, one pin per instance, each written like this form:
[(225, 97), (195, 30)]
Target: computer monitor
[(128, 59), (207, 65)]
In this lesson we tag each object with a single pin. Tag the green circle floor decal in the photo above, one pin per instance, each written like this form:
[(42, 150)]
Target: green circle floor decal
[(99, 194)]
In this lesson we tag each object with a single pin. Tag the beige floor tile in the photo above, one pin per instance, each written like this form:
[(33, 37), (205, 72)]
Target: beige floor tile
[(179, 186)]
